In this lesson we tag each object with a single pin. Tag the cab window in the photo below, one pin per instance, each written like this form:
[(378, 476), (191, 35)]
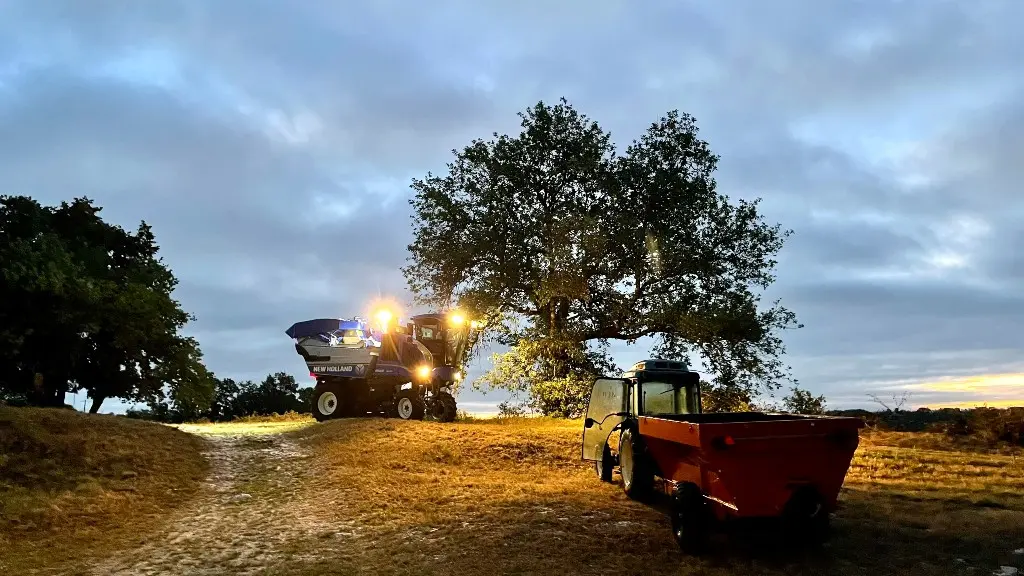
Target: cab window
[(427, 333), (666, 398)]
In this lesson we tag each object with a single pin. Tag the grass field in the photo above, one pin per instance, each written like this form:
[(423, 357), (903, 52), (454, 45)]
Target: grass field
[(74, 486), (470, 498), (511, 497)]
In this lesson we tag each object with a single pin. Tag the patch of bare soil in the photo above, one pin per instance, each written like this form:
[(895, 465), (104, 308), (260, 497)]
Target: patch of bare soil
[(247, 520)]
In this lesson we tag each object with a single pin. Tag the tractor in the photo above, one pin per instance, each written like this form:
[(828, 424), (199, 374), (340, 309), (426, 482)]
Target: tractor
[(408, 372), (719, 469)]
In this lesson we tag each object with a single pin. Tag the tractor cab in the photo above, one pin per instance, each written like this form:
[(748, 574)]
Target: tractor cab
[(658, 388)]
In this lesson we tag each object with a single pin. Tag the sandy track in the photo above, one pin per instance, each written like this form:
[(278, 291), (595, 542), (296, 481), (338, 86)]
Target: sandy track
[(248, 518)]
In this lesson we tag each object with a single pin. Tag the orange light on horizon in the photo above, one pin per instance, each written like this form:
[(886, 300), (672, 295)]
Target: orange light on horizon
[(985, 390)]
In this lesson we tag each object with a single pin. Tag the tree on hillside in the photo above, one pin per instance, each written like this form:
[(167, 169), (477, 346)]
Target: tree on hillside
[(276, 394), (87, 305), (563, 245), (802, 401)]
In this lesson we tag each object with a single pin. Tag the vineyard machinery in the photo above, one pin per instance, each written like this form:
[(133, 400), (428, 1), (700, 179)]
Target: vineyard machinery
[(408, 372)]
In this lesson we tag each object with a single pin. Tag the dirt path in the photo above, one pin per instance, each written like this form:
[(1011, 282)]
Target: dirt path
[(248, 519)]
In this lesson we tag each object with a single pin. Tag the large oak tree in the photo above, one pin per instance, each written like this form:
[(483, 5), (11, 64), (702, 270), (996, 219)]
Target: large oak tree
[(564, 245), (87, 305)]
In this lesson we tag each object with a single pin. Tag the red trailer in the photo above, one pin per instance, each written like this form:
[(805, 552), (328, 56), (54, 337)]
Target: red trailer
[(716, 467)]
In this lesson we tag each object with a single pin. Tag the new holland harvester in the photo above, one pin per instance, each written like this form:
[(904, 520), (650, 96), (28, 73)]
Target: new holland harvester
[(407, 371)]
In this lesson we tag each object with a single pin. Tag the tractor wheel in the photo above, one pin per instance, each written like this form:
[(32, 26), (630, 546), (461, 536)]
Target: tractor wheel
[(605, 466), (444, 408), (690, 525), (409, 406), (635, 466), (327, 403)]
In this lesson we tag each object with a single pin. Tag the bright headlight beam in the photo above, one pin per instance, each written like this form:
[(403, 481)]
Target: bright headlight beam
[(384, 318), (423, 372)]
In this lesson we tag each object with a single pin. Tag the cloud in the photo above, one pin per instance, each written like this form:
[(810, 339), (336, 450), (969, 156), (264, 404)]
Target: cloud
[(271, 147)]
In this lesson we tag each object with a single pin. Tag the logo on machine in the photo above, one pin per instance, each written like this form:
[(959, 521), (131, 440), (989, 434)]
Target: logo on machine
[(338, 369)]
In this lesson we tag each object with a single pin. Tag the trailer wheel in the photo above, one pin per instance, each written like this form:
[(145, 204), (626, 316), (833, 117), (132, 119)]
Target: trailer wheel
[(635, 466), (410, 406), (326, 402), (690, 526), (807, 518), (444, 408), (605, 466)]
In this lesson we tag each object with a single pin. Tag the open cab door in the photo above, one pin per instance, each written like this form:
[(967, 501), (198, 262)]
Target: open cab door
[(606, 408)]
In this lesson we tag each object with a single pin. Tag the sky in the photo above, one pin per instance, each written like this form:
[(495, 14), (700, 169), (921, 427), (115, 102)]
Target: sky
[(266, 141)]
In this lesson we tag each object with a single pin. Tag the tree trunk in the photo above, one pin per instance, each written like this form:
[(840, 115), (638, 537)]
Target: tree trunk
[(96, 402)]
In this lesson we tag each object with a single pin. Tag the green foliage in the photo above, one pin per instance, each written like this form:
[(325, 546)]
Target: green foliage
[(803, 402), (988, 426), (991, 426), (87, 305), (562, 245), (554, 378)]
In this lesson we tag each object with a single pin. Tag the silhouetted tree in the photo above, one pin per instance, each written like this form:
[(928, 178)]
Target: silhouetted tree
[(562, 246), (87, 305)]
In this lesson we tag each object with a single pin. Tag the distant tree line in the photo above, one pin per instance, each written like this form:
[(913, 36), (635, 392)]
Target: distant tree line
[(992, 426), (277, 394)]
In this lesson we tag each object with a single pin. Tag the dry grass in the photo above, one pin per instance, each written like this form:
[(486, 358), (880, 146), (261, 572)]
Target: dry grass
[(488, 496), (76, 485), (512, 497)]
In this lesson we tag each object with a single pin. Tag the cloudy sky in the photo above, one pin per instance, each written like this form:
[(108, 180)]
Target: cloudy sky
[(265, 141)]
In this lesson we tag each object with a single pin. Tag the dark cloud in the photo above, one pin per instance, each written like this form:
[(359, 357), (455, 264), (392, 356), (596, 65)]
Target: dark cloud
[(271, 146)]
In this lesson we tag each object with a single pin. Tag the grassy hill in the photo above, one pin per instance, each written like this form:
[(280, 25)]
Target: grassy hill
[(374, 496), (74, 485)]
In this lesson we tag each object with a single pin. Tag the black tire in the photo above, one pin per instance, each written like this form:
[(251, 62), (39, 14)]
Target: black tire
[(807, 521), (327, 402), (690, 519), (444, 408), (605, 466), (409, 406), (635, 466)]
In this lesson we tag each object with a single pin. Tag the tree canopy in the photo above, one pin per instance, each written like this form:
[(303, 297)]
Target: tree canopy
[(87, 305), (565, 245)]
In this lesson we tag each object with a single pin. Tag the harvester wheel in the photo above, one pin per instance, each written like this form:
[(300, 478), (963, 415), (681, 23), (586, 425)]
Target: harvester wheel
[(690, 519), (444, 408), (326, 401), (635, 466), (409, 406), (605, 466)]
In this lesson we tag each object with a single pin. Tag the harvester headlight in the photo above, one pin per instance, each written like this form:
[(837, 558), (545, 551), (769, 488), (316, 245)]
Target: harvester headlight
[(384, 318), (456, 319), (423, 372), (458, 376)]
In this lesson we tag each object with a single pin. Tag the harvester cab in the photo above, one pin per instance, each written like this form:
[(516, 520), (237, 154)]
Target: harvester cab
[(447, 337)]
